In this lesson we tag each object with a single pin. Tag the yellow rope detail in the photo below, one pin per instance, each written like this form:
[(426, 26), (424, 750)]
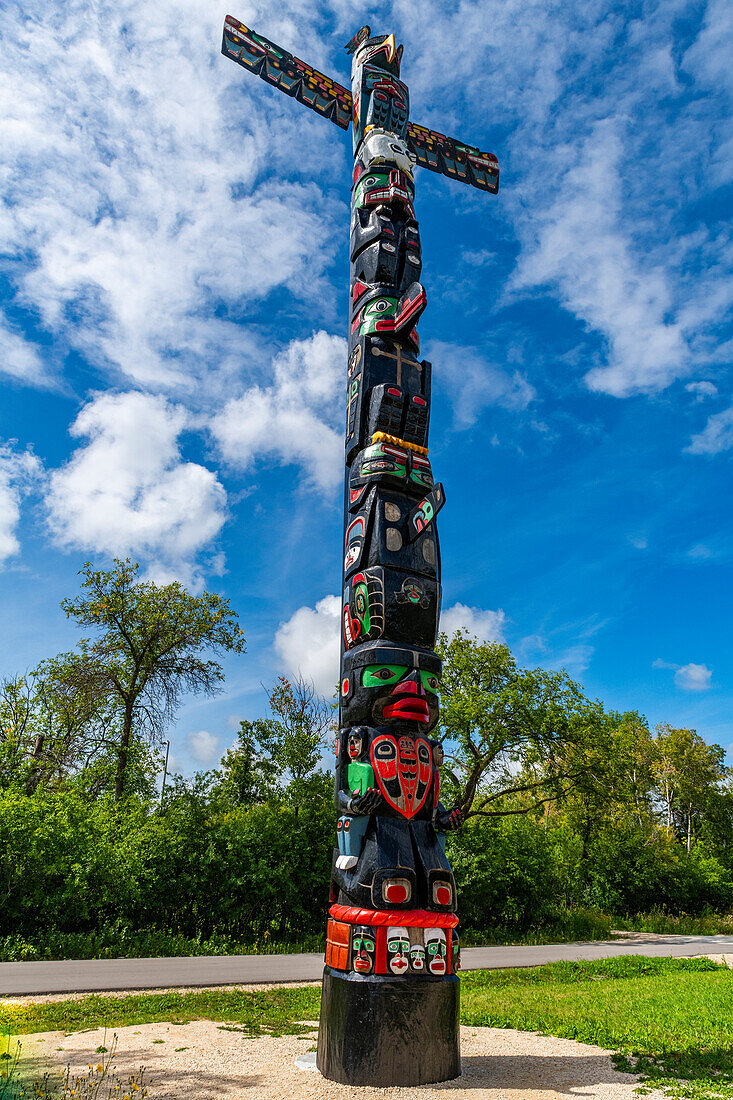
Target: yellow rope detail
[(382, 437)]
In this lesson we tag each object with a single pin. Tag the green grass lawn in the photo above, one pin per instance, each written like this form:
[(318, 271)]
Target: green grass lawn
[(669, 1019)]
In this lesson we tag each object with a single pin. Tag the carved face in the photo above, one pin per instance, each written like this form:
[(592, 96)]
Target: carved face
[(363, 946), (398, 950), (384, 187), (438, 755), (382, 148), (417, 958), (404, 695), (390, 686), (436, 950), (356, 743), (382, 51), (403, 769), (363, 613)]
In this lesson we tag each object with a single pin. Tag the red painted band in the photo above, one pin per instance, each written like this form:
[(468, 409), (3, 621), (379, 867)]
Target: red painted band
[(406, 918)]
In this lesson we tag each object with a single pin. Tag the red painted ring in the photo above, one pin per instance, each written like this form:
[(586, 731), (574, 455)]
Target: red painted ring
[(411, 918)]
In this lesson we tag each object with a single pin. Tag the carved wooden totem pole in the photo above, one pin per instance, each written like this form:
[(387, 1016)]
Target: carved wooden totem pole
[(389, 1013)]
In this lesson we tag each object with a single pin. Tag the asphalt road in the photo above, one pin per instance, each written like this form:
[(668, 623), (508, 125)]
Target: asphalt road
[(107, 975)]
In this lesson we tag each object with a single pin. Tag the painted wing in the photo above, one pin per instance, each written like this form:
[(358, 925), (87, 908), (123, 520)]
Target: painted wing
[(286, 72), (453, 158)]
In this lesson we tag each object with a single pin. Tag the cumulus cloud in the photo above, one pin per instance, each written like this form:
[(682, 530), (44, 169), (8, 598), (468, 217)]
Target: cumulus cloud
[(693, 678), (203, 747), (132, 160), (487, 626), (18, 472), (474, 383), (716, 436), (126, 489), (308, 643), (292, 420), (690, 677)]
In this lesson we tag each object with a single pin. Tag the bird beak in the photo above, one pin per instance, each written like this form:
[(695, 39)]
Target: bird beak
[(391, 46)]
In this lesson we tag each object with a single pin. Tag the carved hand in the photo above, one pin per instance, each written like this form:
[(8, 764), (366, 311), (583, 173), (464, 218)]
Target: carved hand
[(450, 820), (365, 803)]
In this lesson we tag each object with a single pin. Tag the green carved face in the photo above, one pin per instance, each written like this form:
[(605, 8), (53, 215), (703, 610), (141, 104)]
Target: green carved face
[(374, 312), (370, 181), (378, 186), (384, 675), (381, 458)]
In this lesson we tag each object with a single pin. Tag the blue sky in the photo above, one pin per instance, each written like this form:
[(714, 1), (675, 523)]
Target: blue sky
[(173, 296)]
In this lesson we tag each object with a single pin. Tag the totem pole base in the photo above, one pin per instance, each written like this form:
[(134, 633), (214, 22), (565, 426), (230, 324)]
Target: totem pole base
[(380, 1032)]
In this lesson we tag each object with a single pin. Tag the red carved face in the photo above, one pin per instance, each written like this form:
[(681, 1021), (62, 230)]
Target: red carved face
[(403, 770)]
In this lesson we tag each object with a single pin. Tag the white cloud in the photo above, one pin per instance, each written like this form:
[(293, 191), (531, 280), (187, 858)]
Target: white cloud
[(693, 678), (474, 384), (126, 490), (203, 747), (19, 359), (702, 389), (292, 420), (308, 643), (583, 250), (132, 161), (690, 677), (716, 436), (17, 474), (487, 626)]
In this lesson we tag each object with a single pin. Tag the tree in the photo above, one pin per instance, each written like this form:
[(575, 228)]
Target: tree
[(148, 650), (303, 720), (518, 738), (248, 773), (690, 776)]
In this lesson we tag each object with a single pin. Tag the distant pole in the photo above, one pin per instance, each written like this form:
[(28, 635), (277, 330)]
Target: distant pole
[(165, 772)]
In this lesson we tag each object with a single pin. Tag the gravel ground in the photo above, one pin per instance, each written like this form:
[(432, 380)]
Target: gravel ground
[(209, 1061)]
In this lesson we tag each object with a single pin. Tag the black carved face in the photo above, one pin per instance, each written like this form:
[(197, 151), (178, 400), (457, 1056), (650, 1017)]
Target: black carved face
[(391, 686), (363, 947), (355, 745)]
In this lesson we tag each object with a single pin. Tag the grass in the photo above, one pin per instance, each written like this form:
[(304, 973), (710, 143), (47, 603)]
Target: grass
[(271, 1011), (122, 943), (710, 924), (670, 1020)]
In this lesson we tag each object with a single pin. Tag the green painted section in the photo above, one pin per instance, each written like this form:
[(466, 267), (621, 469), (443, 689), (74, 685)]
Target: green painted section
[(360, 777)]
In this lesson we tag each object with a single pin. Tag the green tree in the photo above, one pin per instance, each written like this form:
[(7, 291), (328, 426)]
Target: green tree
[(248, 774), (147, 652), (518, 738), (691, 776)]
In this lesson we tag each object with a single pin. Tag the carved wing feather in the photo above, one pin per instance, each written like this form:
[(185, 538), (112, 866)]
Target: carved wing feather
[(452, 158), (286, 72)]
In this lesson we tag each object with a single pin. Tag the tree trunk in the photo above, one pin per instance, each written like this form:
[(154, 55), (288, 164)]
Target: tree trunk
[(34, 774), (689, 828), (123, 753)]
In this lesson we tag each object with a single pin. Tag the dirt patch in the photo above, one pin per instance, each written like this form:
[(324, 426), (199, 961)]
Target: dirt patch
[(209, 1061)]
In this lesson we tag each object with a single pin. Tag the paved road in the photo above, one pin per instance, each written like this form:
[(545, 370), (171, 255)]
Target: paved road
[(106, 975)]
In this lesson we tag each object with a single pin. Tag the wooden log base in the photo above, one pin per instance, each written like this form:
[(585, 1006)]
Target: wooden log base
[(383, 1032)]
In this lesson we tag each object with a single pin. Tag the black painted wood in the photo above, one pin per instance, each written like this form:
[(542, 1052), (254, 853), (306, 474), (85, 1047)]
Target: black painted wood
[(383, 1031)]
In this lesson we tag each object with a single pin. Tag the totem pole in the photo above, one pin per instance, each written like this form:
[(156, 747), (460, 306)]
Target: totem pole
[(389, 1011)]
